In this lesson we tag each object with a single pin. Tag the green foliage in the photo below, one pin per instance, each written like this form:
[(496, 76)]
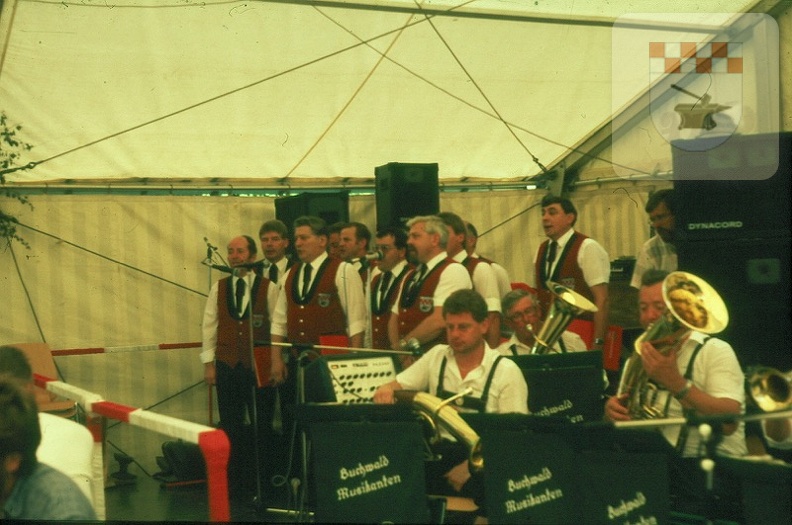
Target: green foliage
[(11, 149)]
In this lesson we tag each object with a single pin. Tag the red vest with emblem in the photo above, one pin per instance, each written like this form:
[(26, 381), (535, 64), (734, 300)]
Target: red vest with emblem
[(416, 306), (233, 330), (380, 316), (567, 273), (320, 312)]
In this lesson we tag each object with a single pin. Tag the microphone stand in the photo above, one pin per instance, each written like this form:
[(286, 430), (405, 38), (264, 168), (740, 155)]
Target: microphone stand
[(258, 501)]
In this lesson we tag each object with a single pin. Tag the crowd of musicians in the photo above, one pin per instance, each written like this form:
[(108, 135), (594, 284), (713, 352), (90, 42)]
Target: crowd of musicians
[(450, 316)]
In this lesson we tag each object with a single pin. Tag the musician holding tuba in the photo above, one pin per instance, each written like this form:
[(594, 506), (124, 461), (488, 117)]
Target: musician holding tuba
[(693, 372), (467, 362), (521, 315)]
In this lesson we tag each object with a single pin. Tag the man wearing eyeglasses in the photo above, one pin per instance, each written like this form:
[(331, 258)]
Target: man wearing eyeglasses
[(385, 283), (659, 252), (521, 315)]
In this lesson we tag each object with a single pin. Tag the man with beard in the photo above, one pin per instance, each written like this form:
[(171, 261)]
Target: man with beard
[(659, 252)]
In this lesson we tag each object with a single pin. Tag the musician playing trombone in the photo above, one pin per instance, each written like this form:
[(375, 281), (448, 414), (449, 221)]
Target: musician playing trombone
[(497, 384), (699, 375)]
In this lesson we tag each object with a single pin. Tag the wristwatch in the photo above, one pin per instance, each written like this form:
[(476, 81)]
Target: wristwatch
[(685, 391)]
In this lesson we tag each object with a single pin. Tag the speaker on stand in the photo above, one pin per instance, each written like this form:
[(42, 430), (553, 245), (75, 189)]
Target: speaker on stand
[(404, 191)]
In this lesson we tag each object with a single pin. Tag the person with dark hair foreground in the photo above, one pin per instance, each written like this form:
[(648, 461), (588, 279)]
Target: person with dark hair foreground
[(30, 490), (497, 385)]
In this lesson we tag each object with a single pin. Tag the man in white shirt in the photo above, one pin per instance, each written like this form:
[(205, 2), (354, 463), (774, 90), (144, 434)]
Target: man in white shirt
[(497, 384), (417, 314), (659, 252), (234, 302), (501, 275), (521, 315), (481, 273), (573, 260), (274, 237)]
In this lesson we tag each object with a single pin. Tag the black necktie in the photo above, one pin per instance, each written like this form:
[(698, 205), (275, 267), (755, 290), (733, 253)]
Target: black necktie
[(273, 273), (551, 255), (384, 282), (306, 279), (240, 293), (417, 277)]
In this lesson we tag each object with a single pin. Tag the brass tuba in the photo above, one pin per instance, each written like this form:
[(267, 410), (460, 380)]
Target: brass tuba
[(567, 304), (691, 304), (770, 389), (435, 410)]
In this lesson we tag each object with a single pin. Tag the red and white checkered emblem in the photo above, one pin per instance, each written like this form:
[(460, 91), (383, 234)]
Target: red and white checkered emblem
[(697, 88)]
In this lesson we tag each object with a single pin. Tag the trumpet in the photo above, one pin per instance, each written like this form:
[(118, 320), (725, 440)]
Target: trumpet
[(770, 389)]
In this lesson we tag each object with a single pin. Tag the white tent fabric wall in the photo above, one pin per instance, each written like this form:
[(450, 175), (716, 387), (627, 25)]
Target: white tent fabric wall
[(108, 271)]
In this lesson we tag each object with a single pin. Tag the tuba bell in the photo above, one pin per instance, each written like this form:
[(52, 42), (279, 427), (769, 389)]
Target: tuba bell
[(691, 304), (770, 389), (436, 411), (567, 304)]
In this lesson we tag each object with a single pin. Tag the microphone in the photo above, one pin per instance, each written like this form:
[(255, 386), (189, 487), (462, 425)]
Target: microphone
[(258, 265), (209, 245), (373, 256), (226, 269)]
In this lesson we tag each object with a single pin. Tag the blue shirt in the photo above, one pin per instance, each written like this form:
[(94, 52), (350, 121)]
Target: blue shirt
[(47, 494)]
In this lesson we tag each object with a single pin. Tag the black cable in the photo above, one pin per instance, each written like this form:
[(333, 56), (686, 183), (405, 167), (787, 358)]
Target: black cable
[(529, 208), (180, 392), (115, 261)]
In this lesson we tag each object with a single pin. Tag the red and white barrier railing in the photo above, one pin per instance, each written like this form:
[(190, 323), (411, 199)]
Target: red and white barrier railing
[(213, 443)]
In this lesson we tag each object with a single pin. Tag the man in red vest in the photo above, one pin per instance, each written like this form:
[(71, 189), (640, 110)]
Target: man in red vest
[(573, 260), (481, 273), (418, 313), (227, 352), (385, 283), (353, 245), (321, 295)]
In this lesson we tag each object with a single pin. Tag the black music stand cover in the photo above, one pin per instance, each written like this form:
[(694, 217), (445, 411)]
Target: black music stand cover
[(530, 477), (370, 470), (569, 385), (766, 488), (548, 470)]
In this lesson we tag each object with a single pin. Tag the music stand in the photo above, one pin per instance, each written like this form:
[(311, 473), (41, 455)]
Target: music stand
[(568, 385), (361, 474), (540, 470)]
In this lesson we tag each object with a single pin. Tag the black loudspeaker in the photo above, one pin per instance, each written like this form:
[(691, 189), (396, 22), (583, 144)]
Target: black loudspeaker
[(332, 207), (404, 191), (735, 234), (752, 277), (738, 190)]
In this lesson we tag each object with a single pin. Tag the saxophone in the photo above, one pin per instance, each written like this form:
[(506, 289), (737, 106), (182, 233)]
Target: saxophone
[(691, 304)]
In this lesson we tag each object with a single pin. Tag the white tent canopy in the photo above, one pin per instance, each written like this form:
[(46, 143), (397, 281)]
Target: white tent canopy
[(306, 92)]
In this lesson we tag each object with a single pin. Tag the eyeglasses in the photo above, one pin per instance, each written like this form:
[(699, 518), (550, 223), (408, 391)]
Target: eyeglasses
[(659, 217), (384, 248), (518, 316)]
